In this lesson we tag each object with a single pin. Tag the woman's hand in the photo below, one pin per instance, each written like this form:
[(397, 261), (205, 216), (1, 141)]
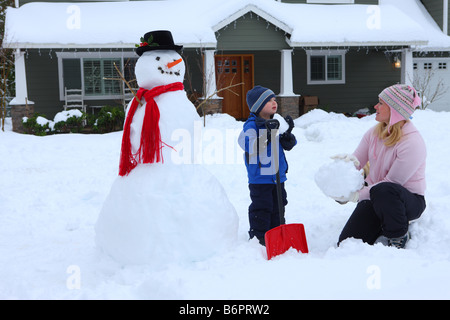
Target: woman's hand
[(347, 158), (353, 197)]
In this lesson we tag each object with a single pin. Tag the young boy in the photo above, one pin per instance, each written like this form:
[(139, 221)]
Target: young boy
[(258, 141)]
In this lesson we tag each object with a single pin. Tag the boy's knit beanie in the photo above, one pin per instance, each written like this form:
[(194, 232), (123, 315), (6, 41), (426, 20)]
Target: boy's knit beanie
[(402, 100), (258, 97)]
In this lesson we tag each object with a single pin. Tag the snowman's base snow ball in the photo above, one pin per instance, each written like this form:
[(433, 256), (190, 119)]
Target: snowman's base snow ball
[(162, 214), (339, 179)]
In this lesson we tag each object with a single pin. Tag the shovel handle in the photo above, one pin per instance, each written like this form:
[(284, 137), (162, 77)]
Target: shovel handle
[(274, 124)]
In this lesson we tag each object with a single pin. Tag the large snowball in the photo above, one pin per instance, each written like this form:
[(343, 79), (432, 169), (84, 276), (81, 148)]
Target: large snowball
[(339, 178), (161, 214)]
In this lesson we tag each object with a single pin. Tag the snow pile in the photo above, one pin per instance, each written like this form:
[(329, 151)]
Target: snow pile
[(53, 188), (339, 179), (64, 115), (160, 214)]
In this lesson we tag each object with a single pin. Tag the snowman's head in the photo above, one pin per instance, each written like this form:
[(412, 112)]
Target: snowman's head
[(159, 67)]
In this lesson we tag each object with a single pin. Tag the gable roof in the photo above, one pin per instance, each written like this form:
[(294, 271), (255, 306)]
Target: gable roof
[(193, 23)]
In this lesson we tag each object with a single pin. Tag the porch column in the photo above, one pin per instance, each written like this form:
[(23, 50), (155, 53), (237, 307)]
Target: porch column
[(287, 99), (214, 102), (407, 72), (21, 79), (286, 85), (20, 105)]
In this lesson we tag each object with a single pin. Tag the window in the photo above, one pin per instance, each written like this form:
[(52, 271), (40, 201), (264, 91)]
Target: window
[(95, 73), (318, 68), (99, 75), (326, 67)]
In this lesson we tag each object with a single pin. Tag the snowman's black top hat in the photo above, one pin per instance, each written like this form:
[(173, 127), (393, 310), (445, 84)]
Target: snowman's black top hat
[(157, 40)]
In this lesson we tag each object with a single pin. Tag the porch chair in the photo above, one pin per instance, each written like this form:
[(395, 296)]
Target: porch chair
[(74, 99)]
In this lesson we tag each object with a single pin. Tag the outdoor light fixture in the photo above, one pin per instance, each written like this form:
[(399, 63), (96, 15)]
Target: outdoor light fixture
[(397, 63)]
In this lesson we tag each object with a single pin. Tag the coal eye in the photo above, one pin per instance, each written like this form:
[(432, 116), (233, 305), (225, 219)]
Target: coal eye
[(157, 58)]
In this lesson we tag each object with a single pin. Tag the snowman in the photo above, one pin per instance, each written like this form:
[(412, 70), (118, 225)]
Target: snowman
[(159, 211)]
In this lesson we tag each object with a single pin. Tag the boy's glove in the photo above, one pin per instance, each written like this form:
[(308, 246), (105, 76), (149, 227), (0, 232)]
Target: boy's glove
[(287, 141), (290, 122)]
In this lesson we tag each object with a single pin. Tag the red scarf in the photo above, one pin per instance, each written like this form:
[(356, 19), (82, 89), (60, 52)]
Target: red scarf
[(150, 148)]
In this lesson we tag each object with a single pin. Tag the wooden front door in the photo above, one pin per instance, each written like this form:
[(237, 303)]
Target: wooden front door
[(234, 75)]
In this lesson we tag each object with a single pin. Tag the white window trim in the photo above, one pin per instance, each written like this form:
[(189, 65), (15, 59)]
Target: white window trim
[(310, 53), (89, 55), (331, 1)]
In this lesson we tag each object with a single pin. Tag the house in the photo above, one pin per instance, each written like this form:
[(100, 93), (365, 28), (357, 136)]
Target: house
[(344, 52)]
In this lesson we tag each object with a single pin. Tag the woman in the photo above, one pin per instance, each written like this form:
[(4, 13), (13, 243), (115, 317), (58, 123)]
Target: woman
[(395, 185)]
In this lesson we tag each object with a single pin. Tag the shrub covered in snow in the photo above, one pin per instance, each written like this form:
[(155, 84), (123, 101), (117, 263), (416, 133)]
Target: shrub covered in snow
[(107, 120), (37, 125)]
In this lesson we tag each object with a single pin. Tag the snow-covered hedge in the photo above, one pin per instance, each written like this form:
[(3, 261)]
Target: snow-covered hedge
[(64, 121), (107, 120)]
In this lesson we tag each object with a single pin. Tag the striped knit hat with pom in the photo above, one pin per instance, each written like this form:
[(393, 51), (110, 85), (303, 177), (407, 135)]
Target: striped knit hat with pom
[(402, 100)]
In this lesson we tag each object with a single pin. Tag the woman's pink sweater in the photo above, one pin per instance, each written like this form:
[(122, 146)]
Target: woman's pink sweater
[(403, 163)]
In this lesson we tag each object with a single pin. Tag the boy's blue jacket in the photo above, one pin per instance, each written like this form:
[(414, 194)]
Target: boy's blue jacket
[(258, 160)]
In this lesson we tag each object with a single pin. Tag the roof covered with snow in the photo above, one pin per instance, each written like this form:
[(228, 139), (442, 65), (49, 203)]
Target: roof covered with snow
[(193, 23)]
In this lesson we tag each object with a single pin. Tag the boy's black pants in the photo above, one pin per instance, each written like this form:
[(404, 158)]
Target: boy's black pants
[(263, 212), (387, 213)]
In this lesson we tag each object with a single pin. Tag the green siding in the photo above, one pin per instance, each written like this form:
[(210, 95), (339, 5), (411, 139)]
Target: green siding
[(253, 35), (193, 77), (370, 2), (267, 67), (42, 81), (251, 32), (435, 9), (367, 74)]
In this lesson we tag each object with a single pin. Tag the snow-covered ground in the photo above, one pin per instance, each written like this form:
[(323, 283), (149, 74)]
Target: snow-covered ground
[(53, 188)]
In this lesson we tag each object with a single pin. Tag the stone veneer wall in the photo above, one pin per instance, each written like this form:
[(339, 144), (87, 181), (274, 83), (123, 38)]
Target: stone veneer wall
[(210, 107), (288, 106), (17, 113)]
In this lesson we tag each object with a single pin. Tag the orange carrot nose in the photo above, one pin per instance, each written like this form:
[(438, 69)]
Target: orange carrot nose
[(174, 63)]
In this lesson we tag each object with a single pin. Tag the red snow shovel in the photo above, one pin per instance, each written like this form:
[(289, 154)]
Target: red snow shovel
[(282, 238)]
